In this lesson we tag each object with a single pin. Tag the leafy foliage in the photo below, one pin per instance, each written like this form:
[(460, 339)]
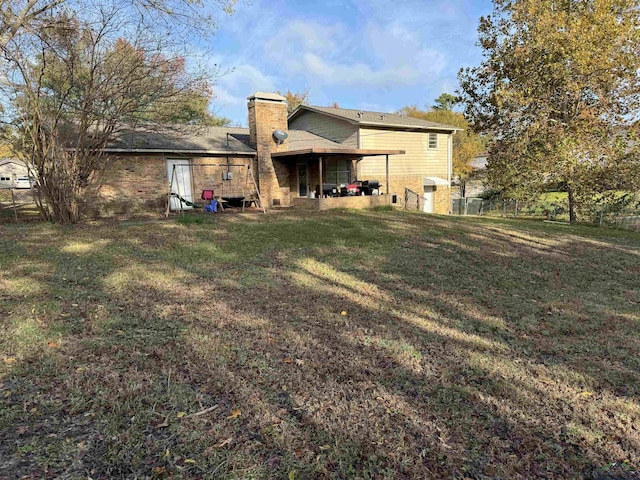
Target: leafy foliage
[(295, 99), (558, 91), (445, 101), (73, 83)]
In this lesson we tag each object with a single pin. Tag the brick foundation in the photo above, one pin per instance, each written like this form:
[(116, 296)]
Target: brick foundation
[(397, 184)]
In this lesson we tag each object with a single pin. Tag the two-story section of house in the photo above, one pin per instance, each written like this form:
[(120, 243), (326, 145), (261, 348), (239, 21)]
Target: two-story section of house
[(425, 168)]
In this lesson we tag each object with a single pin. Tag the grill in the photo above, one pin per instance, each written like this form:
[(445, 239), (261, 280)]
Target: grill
[(368, 186), (330, 189)]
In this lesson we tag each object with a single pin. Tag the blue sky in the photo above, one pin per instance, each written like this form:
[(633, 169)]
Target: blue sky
[(368, 54)]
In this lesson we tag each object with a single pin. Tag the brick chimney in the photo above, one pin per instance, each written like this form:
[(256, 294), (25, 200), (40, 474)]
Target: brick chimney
[(268, 112)]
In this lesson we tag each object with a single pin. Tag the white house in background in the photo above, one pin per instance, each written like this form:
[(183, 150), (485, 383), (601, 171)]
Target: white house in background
[(14, 173), (474, 186)]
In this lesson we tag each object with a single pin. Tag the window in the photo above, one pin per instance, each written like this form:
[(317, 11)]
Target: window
[(5, 179), (338, 171), (433, 140)]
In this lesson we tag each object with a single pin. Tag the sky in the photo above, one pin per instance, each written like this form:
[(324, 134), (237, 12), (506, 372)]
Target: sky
[(375, 55)]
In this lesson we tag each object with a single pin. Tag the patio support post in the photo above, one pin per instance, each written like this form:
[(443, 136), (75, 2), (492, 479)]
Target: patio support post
[(320, 192), (387, 165)]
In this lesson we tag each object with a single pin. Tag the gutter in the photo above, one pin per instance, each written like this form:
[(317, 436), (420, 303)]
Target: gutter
[(187, 152), (450, 158), (443, 128)]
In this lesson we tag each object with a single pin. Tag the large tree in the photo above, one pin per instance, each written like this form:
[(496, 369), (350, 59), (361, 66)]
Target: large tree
[(467, 144), (172, 17), (558, 92), (72, 83)]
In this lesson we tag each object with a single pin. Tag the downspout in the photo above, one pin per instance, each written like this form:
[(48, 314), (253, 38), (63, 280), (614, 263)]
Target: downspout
[(450, 157), (358, 146), (450, 164)]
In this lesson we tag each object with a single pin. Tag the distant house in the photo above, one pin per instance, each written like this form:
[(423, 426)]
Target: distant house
[(14, 174), (317, 158), (474, 186)]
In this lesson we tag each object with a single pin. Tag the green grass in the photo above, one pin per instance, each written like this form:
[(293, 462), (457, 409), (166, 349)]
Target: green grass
[(468, 348)]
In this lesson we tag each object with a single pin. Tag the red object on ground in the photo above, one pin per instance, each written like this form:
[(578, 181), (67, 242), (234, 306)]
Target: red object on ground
[(207, 195)]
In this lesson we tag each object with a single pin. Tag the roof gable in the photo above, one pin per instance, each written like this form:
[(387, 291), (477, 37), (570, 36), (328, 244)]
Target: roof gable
[(15, 161), (373, 119)]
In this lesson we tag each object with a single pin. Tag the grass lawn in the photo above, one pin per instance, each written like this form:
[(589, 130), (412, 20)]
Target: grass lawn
[(328, 345)]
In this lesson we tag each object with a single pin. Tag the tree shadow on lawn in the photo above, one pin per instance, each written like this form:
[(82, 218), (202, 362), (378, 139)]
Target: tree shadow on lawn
[(426, 376)]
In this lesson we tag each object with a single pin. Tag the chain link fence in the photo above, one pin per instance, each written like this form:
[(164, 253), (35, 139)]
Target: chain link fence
[(624, 212)]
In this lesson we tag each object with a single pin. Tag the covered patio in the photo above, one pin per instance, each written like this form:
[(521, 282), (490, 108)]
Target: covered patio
[(325, 178)]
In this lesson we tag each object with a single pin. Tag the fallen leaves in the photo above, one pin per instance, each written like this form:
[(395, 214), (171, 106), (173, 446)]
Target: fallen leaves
[(585, 394), (158, 471), (164, 424), (235, 413), (224, 442), (297, 361)]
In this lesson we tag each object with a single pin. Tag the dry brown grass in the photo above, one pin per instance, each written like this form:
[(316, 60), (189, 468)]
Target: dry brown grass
[(469, 349)]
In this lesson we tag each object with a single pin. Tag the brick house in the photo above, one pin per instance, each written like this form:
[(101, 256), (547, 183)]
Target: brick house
[(338, 145)]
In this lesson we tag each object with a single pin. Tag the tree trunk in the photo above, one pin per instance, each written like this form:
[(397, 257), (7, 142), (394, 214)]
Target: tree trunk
[(572, 205), (58, 201)]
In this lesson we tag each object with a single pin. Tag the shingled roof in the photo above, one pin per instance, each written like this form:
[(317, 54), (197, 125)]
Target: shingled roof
[(183, 139), (204, 140), (374, 119)]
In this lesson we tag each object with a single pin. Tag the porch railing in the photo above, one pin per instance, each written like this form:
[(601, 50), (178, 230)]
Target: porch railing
[(413, 201)]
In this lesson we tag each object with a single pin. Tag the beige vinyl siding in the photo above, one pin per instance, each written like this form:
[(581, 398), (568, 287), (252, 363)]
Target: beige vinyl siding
[(419, 159), (327, 127)]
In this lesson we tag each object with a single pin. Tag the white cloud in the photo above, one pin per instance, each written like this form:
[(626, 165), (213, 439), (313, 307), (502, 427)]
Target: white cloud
[(397, 47), (325, 55), (351, 51), (233, 88), (224, 98), (299, 34), (331, 73), (296, 38), (247, 78)]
